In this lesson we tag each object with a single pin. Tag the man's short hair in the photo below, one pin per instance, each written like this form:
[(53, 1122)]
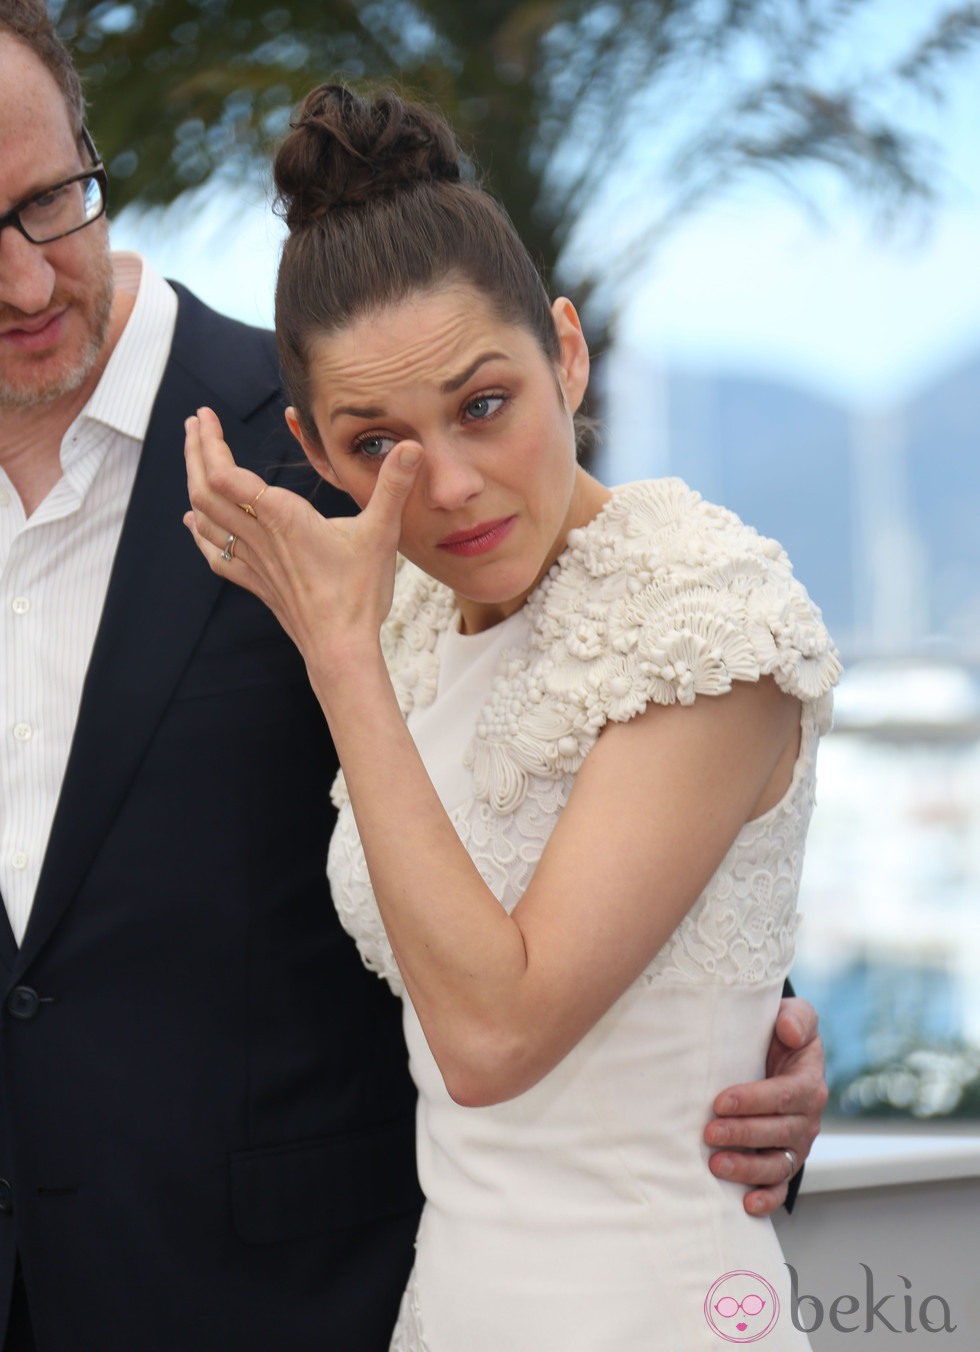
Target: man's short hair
[(30, 22)]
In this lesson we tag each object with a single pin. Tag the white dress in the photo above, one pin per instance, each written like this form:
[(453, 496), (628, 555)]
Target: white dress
[(581, 1216)]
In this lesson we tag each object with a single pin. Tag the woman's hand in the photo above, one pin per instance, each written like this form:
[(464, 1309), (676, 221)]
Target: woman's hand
[(328, 581)]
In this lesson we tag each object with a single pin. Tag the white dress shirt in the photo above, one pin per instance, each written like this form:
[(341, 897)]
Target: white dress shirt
[(54, 574)]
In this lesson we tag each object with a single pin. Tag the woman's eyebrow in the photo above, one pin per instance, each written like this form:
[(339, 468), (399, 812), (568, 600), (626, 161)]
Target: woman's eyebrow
[(457, 382), (353, 412)]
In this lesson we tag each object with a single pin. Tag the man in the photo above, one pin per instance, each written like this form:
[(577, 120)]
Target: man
[(205, 1118)]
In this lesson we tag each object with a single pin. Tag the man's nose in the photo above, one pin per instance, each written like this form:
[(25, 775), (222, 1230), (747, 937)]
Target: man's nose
[(450, 479), (27, 277)]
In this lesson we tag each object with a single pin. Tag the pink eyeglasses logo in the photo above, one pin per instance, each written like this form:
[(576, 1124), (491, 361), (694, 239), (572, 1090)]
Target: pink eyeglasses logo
[(741, 1307)]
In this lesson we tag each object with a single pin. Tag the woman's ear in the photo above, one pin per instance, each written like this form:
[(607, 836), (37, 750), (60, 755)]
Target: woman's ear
[(573, 359), (312, 449)]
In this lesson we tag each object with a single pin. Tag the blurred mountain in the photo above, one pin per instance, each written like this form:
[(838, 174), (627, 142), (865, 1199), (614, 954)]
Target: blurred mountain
[(879, 508), (943, 448), (780, 459)]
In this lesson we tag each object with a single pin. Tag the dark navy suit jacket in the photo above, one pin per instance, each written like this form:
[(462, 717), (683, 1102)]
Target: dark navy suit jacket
[(206, 1128)]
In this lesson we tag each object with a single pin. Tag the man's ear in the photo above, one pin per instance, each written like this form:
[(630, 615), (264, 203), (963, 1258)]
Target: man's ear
[(312, 449), (573, 358)]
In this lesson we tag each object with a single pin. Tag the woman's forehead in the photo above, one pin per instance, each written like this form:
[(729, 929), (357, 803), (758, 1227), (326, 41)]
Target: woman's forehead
[(431, 338)]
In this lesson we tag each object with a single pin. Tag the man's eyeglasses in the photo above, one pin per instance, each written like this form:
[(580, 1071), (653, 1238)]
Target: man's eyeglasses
[(65, 207)]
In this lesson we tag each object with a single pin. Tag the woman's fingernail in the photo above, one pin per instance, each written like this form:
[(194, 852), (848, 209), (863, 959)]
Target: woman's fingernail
[(409, 457)]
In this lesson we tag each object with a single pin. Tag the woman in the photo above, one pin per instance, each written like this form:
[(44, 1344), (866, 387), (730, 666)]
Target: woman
[(613, 701)]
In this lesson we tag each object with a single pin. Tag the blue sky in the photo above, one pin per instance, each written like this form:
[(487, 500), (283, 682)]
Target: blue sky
[(752, 283)]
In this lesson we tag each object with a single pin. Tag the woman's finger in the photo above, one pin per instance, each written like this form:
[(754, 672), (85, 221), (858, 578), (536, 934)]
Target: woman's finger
[(220, 491), (205, 530), (214, 544), (383, 512), (224, 477), (237, 567)]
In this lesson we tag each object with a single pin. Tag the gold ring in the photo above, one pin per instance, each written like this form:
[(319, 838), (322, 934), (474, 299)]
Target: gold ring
[(247, 508)]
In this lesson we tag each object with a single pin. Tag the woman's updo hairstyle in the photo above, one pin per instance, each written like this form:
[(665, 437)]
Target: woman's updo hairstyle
[(380, 204)]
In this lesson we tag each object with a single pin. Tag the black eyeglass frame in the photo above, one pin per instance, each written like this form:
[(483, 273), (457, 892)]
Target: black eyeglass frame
[(96, 171)]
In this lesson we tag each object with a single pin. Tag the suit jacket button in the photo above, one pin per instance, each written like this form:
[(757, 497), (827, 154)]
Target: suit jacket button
[(6, 1197), (23, 1002)]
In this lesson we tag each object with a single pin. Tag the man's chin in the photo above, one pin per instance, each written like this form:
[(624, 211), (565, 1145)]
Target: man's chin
[(59, 374), (41, 390)]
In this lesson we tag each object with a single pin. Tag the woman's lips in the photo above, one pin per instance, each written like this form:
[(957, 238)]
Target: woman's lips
[(477, 539)]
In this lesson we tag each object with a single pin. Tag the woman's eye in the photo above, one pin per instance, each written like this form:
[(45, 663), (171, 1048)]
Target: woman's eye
[(374, 446), (484, 406)]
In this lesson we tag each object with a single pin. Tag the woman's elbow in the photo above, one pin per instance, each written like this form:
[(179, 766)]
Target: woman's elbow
[(490, 1069)]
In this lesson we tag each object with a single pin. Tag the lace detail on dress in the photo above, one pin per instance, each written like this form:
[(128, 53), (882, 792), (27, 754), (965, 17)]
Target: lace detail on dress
[(353, 899), (408, 1335), (422, 610), (742, 929), (506, 852)]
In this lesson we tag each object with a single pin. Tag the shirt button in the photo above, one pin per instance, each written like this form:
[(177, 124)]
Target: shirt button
[(19, 860), (23, 732), (20, 605)]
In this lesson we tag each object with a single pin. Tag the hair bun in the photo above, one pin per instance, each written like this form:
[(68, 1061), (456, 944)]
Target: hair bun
[(344, 149)]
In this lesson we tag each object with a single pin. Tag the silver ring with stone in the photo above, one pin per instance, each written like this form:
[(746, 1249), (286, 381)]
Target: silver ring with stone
[(228, 553)]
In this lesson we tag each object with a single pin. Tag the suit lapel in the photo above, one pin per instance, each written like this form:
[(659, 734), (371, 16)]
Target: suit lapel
[(159, 598), (8, 944)]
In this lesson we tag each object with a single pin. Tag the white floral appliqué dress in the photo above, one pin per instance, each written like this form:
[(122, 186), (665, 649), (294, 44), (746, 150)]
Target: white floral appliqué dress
[(581, 1216)]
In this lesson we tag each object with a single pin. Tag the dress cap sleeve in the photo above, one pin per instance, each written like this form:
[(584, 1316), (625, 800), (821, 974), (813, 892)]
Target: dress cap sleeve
[(661, 598)]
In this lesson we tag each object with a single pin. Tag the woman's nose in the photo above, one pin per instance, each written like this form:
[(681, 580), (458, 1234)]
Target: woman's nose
[(449, 477)]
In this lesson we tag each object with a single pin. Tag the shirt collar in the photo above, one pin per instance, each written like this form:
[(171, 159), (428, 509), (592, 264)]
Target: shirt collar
[(124, 397)]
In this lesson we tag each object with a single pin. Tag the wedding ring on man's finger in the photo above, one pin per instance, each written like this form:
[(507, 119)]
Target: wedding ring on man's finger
[(794, 1163), (228, 553)]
